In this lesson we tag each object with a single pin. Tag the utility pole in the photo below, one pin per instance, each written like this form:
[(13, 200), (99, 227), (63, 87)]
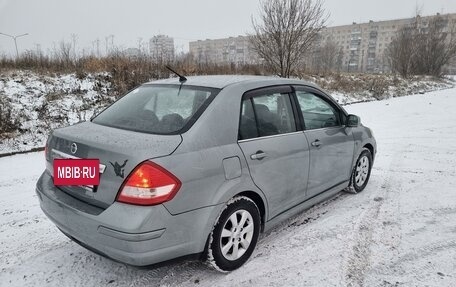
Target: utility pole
[(98, 47), (15, 41), (109, 44), (140, 45), (74, 39)]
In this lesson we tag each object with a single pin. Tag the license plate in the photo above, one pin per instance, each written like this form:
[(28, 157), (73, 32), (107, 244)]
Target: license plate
[(82, 172)]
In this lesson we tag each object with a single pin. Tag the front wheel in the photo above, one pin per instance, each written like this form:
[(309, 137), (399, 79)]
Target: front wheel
[(235, 234), (361, 171)]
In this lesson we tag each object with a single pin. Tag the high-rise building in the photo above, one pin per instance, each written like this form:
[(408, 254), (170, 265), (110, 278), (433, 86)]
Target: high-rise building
[(162, 48)]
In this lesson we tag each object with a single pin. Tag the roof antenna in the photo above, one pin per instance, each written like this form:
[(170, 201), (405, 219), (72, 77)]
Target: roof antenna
[(182, 79)]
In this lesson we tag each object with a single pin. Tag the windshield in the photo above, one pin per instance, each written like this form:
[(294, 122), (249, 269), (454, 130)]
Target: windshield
[(166, 109)]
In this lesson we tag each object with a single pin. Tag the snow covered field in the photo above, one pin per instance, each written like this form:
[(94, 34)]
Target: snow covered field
[(43, 102), (400, 231)]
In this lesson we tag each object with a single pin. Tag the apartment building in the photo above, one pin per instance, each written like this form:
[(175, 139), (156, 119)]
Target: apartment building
[(360, 47), (132, 52), (232, 50), (363, 46), (162, 48)]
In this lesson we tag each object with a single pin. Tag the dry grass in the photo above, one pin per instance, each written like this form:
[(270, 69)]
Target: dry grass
[(125, 72), (10, 122)]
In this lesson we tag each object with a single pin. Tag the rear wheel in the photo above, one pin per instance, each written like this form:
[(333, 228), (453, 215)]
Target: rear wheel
[(235, 234), (361, 171)]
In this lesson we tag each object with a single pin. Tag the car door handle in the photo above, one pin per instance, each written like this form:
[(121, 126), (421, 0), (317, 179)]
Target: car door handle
[(259, 155), (316, 143)]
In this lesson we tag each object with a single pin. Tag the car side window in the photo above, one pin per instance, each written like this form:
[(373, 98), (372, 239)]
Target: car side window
[(266, 115), (247, 127), (317, 112)]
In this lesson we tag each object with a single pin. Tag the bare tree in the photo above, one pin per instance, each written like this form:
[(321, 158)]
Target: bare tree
[(436, 46), (324, 57), (74, 39), (340, 59), (286, 31), (424, 47), (65, 52), (401, 51), (328, 55)]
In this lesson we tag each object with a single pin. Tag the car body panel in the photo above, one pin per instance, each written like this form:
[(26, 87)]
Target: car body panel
[(301, 206), (110, 146), (363, 137), (137, 235), (331, 161), (203, 181), (246, 82), (282, 174)]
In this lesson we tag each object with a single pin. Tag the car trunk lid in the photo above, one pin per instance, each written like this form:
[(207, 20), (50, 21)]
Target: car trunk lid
[(119, 152)]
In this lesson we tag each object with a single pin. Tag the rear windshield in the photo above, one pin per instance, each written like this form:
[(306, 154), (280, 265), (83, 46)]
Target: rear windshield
[(166, 109)]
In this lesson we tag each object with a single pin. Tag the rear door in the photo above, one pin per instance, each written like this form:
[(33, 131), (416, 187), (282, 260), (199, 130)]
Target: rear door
[(276, 150), (331, 144)]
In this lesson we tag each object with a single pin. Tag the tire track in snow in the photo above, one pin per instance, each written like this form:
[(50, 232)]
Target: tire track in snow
[(422, 253), (358, 260), (174, 274)]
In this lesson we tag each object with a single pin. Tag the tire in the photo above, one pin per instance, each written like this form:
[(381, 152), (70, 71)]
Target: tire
[(235, 234), (361, 171)]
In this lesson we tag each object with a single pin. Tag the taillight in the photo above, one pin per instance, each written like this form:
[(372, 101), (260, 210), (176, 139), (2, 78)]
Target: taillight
[(148, 184)]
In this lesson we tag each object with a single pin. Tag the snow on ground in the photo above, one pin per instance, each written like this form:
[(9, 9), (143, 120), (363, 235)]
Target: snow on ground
[(400, 231), (352, 88), (43, 102)]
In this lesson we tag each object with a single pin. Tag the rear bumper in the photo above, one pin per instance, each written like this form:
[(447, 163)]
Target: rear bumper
[(136, 235)]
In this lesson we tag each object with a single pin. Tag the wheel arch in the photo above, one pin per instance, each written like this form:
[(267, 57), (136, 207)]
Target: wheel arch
[(255, 197), (370, 147)]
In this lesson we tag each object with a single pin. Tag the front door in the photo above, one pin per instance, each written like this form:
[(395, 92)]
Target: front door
[(331, 144), (276, 152)]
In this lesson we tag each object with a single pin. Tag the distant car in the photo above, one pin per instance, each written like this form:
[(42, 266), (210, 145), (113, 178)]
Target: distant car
[(201, 166)]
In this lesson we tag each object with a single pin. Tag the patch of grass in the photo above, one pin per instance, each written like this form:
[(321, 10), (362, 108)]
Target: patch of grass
[(10, 121)]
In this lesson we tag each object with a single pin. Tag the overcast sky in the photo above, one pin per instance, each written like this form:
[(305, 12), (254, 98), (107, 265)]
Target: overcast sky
[(50, 21)]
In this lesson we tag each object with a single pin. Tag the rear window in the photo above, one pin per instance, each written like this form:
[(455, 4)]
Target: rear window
[(158, 109)]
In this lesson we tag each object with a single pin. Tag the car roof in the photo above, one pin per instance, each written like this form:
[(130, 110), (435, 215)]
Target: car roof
[(222, 81)]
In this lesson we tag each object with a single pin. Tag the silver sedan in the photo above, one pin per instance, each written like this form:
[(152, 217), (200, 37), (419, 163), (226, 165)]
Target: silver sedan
[(201, 166)]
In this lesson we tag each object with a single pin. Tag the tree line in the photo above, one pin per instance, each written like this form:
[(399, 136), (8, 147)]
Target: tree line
[(423, 48), (286, 36)]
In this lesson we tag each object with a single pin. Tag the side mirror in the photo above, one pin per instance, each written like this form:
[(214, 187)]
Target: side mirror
[(352, 121)]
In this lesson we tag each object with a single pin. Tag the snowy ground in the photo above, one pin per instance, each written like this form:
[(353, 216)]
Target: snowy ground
[(44, 102), (401, 231)]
